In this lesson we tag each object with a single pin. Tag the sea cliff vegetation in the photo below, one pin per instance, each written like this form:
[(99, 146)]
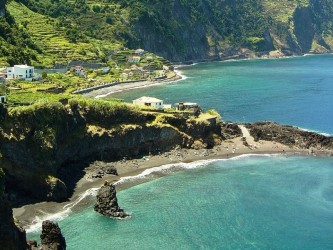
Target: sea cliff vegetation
[(49, 32), (45, 146)]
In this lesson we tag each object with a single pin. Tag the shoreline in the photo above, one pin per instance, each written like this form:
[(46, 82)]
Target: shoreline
[(138, 171), (128, 86), (27, 215)]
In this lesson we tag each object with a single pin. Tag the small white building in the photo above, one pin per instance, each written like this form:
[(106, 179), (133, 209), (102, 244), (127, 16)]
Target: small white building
[(149, 102), (20, 72)]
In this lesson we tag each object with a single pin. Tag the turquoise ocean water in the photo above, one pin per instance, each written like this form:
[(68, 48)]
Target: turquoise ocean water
[(249, 202), (296, 91)]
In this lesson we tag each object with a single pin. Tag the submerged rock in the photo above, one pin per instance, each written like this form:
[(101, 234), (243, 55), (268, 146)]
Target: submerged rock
[(107, 203), (51, 237)]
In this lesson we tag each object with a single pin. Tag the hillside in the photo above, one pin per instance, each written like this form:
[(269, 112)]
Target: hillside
[(49, 32), (15, 43), (202, 29)]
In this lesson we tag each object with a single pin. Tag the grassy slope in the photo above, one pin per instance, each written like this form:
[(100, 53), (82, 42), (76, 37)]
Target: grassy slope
[(51, 38), (282, 10)]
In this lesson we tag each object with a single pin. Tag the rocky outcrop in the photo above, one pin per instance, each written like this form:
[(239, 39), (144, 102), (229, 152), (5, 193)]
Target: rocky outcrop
[(12, 237), (51, 237), (107, 203), (45, 146), (304, 28), (230, 130), (289, 135)]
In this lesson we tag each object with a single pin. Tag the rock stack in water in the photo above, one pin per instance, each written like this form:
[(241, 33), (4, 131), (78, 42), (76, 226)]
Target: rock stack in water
[(51, 237), (107, 203)]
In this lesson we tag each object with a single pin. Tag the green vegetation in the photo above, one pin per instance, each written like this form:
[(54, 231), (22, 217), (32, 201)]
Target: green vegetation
[(46, 33), (58, 41), (38, 114), (15, 43), (49, 32)]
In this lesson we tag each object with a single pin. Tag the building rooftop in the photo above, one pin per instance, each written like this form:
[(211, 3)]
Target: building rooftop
[(187, 103), (147, 99), (23, 66)]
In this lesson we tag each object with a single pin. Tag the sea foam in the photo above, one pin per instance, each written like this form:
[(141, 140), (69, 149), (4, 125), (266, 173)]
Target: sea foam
[(168, 168), (67, 209), (316, 131)]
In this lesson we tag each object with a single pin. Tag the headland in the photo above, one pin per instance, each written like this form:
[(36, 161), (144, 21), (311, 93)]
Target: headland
[(240, 139)]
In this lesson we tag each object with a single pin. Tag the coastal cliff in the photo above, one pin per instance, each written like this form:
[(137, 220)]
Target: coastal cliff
[(12, 237), (46, 145), (178, 30), (214, 30)]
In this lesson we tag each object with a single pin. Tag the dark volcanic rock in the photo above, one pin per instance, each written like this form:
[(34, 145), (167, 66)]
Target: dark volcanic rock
[(230, 130), (51, 237), (3, 112), (12, 237), (107, 203), (110, 170), (32, 244), (288, 135)]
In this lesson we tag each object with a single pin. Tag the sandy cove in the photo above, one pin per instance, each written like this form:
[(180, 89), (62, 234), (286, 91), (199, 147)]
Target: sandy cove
[(28, 214)]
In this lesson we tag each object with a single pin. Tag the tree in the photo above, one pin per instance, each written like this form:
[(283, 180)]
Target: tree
[(44, 75), (3, 89)]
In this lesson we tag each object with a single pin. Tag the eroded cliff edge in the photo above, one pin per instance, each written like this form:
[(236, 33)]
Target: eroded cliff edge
[(46, 145)]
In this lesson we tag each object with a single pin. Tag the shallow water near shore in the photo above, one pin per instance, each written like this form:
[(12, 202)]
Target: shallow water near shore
[(250, 202)]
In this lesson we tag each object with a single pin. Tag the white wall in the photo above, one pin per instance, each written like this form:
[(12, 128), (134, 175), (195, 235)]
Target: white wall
[(20, 71)]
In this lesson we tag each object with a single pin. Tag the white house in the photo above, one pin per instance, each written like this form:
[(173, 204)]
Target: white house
[(20, 72), (149, 102)]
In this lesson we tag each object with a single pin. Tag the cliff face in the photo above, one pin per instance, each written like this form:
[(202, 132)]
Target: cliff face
[(11, 236), (42, 141), (211, 29)]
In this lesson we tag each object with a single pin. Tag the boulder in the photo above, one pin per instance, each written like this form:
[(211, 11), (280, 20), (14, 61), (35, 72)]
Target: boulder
[(107, 203), (110, 170), (51, 237)]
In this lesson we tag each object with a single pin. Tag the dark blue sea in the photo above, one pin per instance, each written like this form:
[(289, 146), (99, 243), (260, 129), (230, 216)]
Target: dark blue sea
[(248, 202)]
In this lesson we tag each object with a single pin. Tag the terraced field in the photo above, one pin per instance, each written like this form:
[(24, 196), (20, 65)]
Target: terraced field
[(51, 38)]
